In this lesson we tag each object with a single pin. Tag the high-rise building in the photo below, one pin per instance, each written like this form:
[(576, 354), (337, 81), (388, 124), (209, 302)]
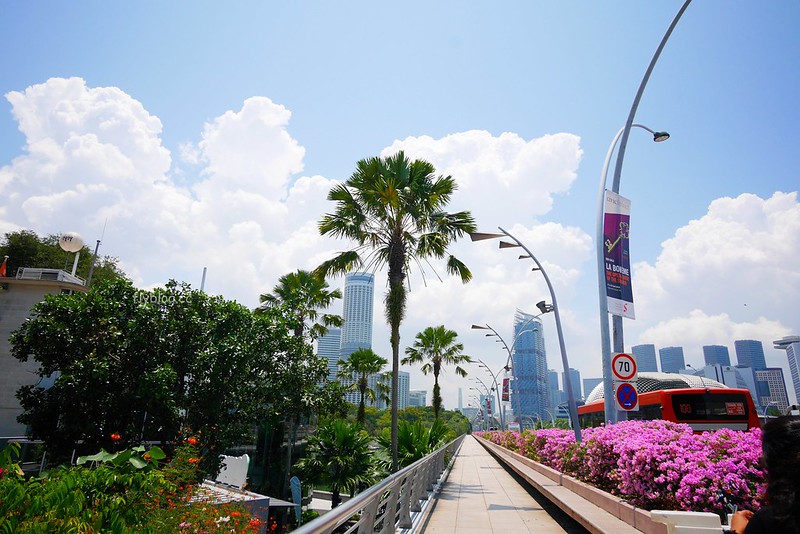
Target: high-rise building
[(716, 355), (750, 353), (530, 397), (403, 383), (791, 344), (575, 379), (552, 387), (417, 398), (589, 384), (671, 359), (776, 388), (645, 358), (359, 289), (328, 347)]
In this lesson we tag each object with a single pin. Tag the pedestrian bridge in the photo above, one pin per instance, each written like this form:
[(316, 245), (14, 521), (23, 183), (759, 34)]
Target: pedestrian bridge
[(487, 489)]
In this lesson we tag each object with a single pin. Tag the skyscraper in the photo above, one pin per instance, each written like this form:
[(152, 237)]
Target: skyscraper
[(589, 384), (750, 353), (575, 377), (776, 388), (716, 355), (530, 396), (328, 347), (645, 358), (555, 392), (791, 344), (359, 289), (671, 359)]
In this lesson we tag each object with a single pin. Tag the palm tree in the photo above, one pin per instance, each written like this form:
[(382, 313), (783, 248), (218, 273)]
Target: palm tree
[(303, 295), (416, 441), (438, 345), (393, 209), (361, 364), (338, 455)]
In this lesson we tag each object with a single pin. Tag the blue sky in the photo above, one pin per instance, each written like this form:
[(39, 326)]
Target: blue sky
[(208, 135)]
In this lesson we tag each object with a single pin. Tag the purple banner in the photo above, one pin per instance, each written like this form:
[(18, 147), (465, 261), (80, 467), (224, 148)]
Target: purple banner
[(505, 390), (616, 230)]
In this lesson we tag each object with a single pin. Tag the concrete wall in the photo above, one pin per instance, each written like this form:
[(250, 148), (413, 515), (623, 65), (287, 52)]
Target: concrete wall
[(16, 300)]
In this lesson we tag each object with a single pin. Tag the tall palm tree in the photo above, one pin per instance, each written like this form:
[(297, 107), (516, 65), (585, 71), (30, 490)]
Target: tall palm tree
[(303, 294), (438, 345), (361, 364), (338, 455), (393, 209)]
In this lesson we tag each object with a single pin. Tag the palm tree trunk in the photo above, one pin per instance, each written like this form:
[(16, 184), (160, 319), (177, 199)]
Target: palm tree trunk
[(362, 413), (395, 308)]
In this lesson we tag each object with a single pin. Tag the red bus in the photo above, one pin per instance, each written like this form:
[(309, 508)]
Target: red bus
[(708, 408)]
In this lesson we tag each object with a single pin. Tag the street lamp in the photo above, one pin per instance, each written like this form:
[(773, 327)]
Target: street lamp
[(552, 417), (608, 393), (766, 408), (496, 389), (545, 308), (619, 345), (509, 366)]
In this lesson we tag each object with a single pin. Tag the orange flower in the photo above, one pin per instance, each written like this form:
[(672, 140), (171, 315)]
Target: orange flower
[(194, 460), (192, 441), (147, 456), (115, 437)]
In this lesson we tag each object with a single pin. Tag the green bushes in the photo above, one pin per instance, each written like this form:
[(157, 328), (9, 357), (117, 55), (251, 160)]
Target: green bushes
[(131, 491)]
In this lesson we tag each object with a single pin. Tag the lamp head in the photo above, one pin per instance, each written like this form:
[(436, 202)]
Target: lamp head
[(660, 136), (543, 307)]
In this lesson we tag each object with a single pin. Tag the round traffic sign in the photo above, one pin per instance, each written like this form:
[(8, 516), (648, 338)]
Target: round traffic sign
[(627, 397), (623, 366)]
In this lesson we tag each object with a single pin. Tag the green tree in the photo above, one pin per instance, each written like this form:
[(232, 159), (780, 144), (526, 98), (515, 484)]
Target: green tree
[(338, 455), (439, 347), (143, 364), (358, 366), (303, 295), (393, 209), (26, 249)]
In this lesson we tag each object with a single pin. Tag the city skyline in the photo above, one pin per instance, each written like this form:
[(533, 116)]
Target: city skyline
[(211, 138)]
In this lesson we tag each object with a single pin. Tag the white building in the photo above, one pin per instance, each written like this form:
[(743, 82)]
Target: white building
[(17, 296), (791, 344)]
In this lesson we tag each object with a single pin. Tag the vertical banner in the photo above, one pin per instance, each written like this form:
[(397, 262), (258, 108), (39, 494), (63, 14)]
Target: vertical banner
[(616, 229), (505, 390)]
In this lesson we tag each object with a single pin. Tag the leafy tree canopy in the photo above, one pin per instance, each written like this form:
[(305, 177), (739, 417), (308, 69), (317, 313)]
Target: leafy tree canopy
[(144, 364), (26, 249)]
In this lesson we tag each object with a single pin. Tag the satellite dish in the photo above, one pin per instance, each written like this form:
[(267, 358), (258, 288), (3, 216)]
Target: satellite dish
[(71, 242)]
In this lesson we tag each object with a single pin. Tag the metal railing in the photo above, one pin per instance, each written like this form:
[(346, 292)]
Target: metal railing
[(388, 505)]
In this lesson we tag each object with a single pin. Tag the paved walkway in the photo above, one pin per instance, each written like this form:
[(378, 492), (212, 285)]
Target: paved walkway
[(481, 496)]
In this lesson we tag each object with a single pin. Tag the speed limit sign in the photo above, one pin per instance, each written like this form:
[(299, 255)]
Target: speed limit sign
[(623, 366)]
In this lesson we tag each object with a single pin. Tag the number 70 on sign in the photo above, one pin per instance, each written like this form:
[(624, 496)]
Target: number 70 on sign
[(623, 367)]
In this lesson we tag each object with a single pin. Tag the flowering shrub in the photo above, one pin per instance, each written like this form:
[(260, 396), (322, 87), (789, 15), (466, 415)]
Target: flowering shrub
[(134, 490), (652, 464)]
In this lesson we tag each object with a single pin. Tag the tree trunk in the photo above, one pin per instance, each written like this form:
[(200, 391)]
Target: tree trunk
[(291, 426), (395, 308)]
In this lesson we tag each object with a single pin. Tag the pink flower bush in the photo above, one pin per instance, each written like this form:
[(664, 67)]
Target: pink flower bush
[(652, 464)]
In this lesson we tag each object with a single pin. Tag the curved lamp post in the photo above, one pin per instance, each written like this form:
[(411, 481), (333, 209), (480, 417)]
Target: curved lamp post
[(766, 408), (509, 366), (619, 345), (496, 390), (544, 308), (605, 337)]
